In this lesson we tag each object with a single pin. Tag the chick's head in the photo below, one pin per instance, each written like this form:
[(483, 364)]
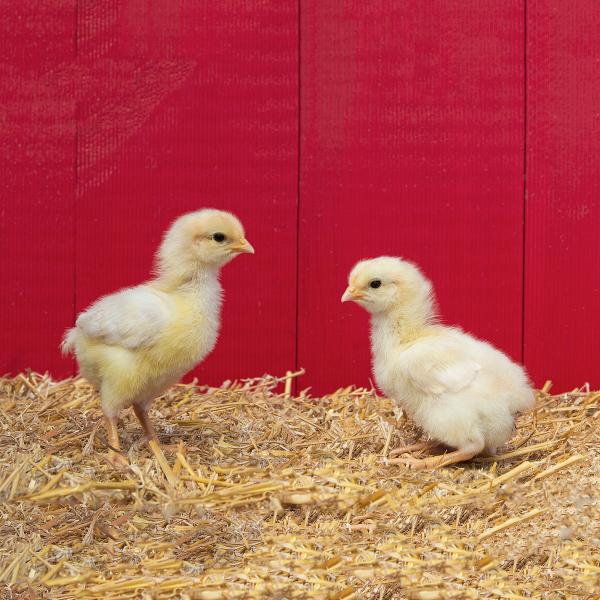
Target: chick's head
[(388, 283), (205, 238)]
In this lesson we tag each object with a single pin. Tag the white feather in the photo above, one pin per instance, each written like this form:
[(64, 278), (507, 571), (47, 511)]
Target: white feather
[(131, 318), (460, 390), (457, 388)]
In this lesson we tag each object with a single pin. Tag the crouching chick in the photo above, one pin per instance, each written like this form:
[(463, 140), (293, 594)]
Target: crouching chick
[(461, 391)]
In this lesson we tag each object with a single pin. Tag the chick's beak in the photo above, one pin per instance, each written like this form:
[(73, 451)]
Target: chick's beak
[(351, 294), (242, 246)]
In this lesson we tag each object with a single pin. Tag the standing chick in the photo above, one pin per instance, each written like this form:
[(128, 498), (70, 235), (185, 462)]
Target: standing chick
[(459, 390), (134, 344)]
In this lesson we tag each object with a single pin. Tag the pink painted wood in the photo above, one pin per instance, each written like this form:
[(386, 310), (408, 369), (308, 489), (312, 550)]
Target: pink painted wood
[(115, 117), (562, 284), (412, 145), (189, 105), (37, 185)]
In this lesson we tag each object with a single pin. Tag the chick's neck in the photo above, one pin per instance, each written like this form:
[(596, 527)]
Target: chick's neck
[(406, 322), (185, 279)]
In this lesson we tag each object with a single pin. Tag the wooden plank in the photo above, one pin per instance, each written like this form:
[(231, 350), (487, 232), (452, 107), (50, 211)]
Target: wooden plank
[(37, 152), (188, 105), (562, 291), (412, 145)]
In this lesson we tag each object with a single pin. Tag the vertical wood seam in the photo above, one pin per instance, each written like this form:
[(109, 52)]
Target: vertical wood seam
[(76, 184), (298, 192), (524, 233)]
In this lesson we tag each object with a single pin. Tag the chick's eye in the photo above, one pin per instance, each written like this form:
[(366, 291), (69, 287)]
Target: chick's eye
[(376, 283), (219, 237)]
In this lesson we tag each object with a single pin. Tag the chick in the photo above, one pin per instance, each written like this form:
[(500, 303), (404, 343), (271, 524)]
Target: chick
[(134, 344), (461, 391)]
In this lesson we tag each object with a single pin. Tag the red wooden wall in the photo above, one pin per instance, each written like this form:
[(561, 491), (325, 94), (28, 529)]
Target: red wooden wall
[(37, 182), (126, 115), (185, 105), (336, 131), (412, 136), (562, 284)]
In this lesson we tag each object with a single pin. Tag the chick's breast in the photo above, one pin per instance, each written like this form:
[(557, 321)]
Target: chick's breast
[(188, 337)]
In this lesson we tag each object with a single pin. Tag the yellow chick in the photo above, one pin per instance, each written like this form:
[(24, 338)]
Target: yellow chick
[(134, 344), (461, 391)]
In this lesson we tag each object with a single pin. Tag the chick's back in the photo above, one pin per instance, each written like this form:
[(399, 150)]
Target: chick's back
[(447, 360)]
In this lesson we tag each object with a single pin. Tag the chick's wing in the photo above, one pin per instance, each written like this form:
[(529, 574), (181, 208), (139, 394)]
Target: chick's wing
[(131, 318), (440, 368)]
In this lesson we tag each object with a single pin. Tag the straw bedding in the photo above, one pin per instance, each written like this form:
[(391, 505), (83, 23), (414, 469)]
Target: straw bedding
[(265, 495)]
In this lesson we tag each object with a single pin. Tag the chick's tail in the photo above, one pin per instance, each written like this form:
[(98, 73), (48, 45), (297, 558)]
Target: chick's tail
[(67, 345), (522, 400)]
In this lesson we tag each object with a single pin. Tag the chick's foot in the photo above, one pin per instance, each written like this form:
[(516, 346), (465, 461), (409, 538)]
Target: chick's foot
[(418, 446), (117, 460), (435, 462)]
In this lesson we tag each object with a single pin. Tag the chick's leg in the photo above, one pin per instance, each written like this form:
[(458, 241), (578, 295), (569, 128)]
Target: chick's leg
[(114, 456), (141, 412)]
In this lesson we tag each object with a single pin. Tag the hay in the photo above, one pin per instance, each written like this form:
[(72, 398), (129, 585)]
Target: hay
[(261, 494)]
